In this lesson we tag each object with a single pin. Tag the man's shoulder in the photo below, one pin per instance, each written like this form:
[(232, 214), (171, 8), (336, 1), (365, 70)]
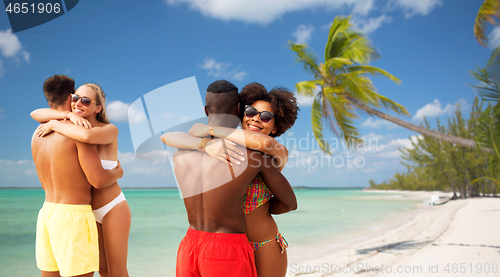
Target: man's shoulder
[(54, 136), (63, 138), (187, 155), (180, 152), (64, 142)]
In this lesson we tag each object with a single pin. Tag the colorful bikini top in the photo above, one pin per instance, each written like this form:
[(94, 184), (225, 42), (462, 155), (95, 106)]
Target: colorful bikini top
[(257, 194)]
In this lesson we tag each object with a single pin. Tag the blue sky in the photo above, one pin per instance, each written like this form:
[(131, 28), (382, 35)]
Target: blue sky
[(132, 48)]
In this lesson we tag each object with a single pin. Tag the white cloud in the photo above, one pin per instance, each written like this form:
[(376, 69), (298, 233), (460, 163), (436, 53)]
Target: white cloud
[(126, 158), (369, 25), (11, 48), (148, 163), (135, 115), (434, 109), (14, 173), (363, 7), (390, 150), (378, 124), (304, 101), (494, 38), (222, 70), (265, 11), (372, 136), (406, 142), (117, 111), (238, 75), (412, 7), (157, 156), (303, 34)]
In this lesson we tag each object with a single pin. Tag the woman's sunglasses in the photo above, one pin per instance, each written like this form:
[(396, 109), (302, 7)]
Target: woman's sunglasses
[(85, 100), (264, 116)]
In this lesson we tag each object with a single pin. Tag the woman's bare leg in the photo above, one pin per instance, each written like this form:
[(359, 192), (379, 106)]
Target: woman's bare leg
[(116, 228), (269, 261)]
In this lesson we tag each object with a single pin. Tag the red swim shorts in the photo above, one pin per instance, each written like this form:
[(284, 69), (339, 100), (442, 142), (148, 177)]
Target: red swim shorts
[(215, 255)]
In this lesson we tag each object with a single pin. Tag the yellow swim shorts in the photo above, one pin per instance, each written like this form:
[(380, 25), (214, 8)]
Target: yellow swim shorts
[(66, 239)]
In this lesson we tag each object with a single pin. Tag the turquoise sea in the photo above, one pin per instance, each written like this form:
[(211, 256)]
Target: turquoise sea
[(159, 222)]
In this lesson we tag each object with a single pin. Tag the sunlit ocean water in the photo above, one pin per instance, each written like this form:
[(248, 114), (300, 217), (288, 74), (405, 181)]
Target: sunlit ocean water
[(159, 223)]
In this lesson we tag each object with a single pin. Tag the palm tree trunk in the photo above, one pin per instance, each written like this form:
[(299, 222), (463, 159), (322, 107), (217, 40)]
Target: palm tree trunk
[(419, 129), (454, 197)]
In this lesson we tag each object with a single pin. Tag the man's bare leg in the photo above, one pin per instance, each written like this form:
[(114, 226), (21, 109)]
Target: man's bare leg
[(50, 274), (56, 274)]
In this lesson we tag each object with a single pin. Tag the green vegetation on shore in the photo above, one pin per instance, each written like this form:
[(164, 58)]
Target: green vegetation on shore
[(435, 165), (432, 165)]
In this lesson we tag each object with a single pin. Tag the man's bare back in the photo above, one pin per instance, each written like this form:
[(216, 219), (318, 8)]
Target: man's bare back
[(67, 169), (216, 204)]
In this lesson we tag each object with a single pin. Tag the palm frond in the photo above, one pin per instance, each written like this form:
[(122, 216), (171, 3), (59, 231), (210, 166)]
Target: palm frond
[(488, 128), (317, 124), (373, 71), (486, 86), (337, 39), (308, 88), (362, 89), (494, 69), (303, 55), (357, 86), (391, 105), (360, 49), (337, 63), (342, 116), (488, 13)]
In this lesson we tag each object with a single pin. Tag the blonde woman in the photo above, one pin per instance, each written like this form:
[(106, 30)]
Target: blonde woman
[(111, 210)]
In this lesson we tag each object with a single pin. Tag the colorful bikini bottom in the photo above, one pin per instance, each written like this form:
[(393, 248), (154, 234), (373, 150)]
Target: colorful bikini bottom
[(279, 239)]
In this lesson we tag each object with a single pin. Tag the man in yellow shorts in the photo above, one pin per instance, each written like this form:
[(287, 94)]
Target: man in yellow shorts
[(66, 239)]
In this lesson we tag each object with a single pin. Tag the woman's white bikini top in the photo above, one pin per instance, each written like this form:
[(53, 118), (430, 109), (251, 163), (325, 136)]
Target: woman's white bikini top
[(107, 164)]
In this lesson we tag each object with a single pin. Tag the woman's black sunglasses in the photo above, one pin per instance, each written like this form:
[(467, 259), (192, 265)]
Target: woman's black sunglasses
[(85, 100), (264, 116)]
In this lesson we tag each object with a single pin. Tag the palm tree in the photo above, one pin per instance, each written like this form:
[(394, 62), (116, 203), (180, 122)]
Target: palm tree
[(488, 87), (488, 12), (488, 79), (341, 87)]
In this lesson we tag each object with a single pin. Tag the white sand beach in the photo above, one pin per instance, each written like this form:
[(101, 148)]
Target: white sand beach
[(459, 238)]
